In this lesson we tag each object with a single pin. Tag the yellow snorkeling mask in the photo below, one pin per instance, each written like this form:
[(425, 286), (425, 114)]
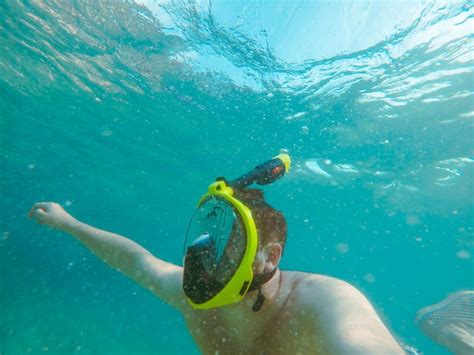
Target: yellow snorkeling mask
[(221, 240)]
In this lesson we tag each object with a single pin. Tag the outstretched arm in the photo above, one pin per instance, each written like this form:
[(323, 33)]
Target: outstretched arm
[(162, 278)]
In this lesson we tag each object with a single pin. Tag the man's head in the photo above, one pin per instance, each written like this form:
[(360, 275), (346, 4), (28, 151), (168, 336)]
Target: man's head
[(221, 242), (271, 229)]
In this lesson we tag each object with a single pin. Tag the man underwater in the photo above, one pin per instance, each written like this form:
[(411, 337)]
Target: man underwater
[(236, 300)]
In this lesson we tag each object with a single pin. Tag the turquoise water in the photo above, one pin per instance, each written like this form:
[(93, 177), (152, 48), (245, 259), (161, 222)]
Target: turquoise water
[(123, 112)]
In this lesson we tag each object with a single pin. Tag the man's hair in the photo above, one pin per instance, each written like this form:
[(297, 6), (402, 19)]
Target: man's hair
[(270, 223)]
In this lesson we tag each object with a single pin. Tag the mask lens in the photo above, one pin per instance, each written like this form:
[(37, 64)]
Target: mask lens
[(215, 244)]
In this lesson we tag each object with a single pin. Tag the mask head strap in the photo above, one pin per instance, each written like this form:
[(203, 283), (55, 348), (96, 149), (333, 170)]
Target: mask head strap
[(257, 283)]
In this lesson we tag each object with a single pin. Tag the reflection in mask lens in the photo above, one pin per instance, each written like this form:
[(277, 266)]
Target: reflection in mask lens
[(216, 236)]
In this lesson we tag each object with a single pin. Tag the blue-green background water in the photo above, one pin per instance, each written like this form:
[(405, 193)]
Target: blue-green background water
[(123, 112)]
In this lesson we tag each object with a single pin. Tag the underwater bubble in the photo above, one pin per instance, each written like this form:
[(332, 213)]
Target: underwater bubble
[(316, 168), (412, 220), (370, 278), (68, 203), (342, 248), (296, 116), (463, 254), (467, 114), (304, 130), (31, 166)]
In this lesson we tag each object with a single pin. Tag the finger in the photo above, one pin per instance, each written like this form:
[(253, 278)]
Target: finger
[(42, 205), (36, 213), (39, 214)]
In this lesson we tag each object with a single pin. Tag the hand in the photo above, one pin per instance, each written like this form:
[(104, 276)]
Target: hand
[(51, 214)]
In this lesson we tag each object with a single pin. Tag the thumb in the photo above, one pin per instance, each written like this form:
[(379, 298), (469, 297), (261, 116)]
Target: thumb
[(39, 215)]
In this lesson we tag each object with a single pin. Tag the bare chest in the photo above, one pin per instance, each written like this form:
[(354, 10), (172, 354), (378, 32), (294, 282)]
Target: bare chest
[(284, 335)]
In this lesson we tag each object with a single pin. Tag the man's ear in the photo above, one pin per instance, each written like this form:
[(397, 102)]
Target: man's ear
[(273, 253)]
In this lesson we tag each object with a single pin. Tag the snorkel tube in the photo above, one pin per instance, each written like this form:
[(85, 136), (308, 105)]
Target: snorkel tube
[(265, 173)]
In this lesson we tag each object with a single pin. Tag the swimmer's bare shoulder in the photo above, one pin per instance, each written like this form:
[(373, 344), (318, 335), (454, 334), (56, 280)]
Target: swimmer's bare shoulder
[(341, 318)]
